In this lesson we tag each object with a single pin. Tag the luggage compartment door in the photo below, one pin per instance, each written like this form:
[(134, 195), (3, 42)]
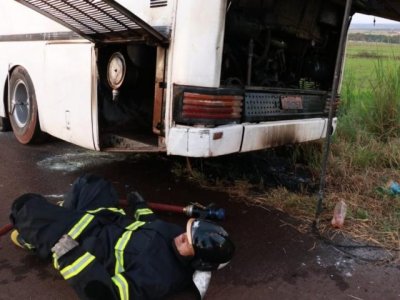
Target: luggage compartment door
[(100, 21)]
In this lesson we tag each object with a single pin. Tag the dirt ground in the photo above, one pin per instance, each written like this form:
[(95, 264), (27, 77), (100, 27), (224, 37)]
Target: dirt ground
[(273, 260)]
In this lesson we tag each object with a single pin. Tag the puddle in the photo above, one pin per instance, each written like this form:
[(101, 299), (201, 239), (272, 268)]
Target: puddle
[(71, 162), (345, 266)]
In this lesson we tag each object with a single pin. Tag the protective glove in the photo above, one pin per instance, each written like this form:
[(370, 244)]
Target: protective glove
[(64, 245), (135, 199), (201, 280)]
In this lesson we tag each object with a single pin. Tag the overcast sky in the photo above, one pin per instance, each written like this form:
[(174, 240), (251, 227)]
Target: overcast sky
[(360, 18)]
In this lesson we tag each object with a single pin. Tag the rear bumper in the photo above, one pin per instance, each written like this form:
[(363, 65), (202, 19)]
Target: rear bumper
[(209, 142)]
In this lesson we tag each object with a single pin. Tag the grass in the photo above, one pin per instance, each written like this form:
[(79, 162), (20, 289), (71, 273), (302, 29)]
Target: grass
[(366, 149), (373, 50), (365, 155), (361, 59)]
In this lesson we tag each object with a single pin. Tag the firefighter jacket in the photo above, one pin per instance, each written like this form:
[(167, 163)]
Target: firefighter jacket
[(117, 258)]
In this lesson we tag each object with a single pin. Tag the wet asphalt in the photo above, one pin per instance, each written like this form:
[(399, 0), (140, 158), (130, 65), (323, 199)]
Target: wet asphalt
[(273, 260)]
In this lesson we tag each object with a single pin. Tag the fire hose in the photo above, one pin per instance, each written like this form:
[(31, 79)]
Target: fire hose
[(193, 210)]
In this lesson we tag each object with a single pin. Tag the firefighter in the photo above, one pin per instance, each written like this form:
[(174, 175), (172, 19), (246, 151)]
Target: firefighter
[(104, 254)]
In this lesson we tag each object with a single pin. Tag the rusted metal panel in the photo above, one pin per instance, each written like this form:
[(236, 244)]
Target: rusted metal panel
[(292, 102), (159, 93)]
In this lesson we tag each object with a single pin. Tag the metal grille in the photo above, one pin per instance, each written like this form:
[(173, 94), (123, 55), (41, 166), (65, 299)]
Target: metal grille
[(97, 20), (158, 3), (260, 104)]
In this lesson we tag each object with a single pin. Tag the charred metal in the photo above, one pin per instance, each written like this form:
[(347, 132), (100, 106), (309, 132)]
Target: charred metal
[(280, 56), (286, 44)]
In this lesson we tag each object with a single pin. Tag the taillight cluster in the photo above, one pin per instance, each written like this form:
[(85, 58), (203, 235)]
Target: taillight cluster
[(211, 107)]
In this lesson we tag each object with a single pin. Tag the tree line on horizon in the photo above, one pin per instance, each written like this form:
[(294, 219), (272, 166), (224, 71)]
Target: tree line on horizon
[(374, 38)]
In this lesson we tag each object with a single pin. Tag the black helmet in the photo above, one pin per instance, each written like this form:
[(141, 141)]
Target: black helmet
[(213, 248)]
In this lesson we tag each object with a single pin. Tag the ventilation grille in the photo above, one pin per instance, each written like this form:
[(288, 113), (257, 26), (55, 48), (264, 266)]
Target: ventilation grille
[(97, 20), (260, 104), (158, 3)]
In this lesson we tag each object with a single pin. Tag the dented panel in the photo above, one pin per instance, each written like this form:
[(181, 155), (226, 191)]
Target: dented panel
[(204, 142), (209, 142), (273, 134)]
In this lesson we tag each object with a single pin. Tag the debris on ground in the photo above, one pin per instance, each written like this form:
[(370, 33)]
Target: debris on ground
[(339, 214), (394, 187)]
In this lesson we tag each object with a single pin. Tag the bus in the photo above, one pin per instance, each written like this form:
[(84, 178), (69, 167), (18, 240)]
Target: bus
[(195, 78)]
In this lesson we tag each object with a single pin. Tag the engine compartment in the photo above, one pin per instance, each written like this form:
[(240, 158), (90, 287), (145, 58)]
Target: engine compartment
[(282, 44)]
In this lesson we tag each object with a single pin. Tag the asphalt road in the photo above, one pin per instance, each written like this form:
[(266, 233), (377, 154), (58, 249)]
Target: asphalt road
[(273, 260)]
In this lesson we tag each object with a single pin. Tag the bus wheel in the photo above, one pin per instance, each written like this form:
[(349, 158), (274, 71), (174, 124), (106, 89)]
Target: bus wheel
[(23, 107)]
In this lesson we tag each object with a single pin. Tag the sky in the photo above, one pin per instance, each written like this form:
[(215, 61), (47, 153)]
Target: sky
[(360, 18)]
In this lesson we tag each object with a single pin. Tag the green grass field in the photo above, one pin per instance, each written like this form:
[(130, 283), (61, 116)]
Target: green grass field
[(371, 91), (362, 59)]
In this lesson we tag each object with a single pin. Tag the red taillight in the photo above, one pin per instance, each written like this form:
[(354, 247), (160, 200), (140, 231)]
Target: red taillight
[(201, 106)]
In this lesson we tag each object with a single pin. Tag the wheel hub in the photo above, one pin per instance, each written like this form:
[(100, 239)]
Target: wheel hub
[(20, 102)]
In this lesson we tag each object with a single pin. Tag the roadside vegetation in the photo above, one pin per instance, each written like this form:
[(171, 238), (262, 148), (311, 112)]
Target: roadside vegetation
[(375, 37), (366, 149), (364, 159)]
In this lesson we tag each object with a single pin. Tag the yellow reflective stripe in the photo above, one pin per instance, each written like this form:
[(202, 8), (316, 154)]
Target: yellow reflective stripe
[(29, 246), (135, 225), (142, 212), (96, 210), (119, 251), (80, 226), (113, 209), (77, 266), (121, 245), (55, 262), (122, 285)]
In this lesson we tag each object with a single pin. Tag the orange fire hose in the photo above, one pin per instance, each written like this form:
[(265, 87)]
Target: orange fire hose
[(158, 206), (5, 229)]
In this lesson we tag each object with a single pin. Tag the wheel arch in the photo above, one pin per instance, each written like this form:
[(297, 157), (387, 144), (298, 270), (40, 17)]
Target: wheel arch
[(5, 98), (5, 124)]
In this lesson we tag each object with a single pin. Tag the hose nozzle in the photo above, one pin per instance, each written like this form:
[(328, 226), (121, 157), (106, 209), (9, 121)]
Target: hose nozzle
[(211, 213)]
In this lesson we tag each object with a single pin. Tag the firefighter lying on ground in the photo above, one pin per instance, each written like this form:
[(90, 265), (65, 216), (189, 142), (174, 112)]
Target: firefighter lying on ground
[(104, 254)]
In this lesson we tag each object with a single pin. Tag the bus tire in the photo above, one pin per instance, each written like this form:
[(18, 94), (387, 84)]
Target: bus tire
[(23, 115)]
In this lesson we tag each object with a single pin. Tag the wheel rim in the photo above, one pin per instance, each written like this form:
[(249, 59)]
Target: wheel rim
[(21, 103)]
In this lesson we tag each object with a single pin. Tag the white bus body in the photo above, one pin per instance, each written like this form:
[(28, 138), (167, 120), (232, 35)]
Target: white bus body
[(216, 77)]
